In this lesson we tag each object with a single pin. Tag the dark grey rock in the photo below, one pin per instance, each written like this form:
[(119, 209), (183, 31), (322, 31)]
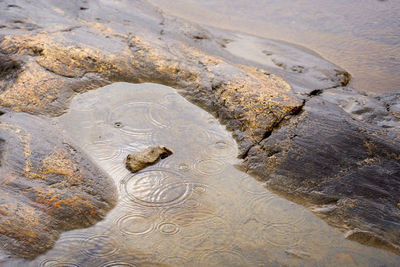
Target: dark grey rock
[(325, 156)]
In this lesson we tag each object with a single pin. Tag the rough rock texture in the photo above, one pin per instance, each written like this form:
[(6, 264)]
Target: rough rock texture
[(313, 140), (151, 155), (327, 158), (47, 185)]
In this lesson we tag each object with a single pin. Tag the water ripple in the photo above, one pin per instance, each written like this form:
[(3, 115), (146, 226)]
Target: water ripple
[(222, 258), (100, 246), (158, 187), (190, 209), (144, 116), (135, 224), (209, 166), (118, 264), (56, 263), (275, 210), (168, 228)]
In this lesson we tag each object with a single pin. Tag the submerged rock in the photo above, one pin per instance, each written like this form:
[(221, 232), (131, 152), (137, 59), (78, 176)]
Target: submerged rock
[(151, 155), (371, 239), (297, 253)]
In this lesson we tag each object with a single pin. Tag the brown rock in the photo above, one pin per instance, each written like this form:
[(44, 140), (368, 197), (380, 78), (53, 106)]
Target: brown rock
[(151, 155)]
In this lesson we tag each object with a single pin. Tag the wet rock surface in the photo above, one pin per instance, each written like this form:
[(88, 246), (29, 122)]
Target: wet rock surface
[(325, 156), (47, 186), (295, 125), (151, 155)]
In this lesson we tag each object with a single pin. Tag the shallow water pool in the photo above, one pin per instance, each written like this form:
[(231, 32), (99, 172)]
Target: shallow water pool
[(194, 208)]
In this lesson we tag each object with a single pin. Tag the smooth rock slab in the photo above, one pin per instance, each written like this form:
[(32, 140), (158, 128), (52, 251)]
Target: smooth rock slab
[(47, 186)]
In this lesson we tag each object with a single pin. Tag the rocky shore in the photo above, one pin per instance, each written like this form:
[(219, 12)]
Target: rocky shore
[(298, 126)]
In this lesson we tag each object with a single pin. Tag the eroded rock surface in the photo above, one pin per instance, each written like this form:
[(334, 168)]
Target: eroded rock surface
[(47, 186), (151, 155), (309, 137), (325, 156)]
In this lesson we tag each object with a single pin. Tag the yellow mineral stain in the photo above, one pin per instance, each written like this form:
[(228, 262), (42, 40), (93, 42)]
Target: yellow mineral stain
[(58, 163)]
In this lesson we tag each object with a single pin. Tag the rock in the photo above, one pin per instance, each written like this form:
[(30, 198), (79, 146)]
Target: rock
[(381, 110), (305, 70), (47, 186), (371, 239), (326, 157), (9, 70), (151, 155), (324, 209), (8, 67)]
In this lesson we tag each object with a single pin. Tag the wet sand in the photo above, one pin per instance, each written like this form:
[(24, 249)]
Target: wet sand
[(363, 37), (194, 208)]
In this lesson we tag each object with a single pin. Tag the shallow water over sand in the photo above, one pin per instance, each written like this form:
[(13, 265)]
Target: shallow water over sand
[(193, 208), (361, 36)]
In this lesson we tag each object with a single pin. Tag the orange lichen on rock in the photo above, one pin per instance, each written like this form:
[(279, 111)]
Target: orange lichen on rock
[(23, 228), (47, 186), (54, 65), (54, 199), (32, 90), (59, 163), (264, 98)]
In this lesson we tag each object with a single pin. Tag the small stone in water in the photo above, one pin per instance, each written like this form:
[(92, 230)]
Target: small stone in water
[(151, 155)]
